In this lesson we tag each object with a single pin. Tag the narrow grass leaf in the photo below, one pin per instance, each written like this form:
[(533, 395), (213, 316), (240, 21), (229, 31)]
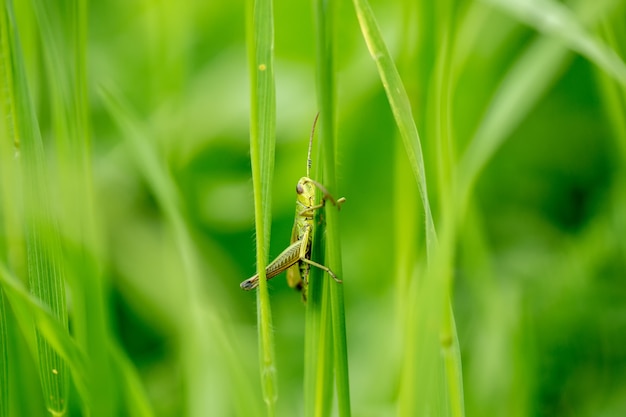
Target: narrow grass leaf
[(400, 106), (522, 87), (451, 375), (615, 96), (195, 341), (529, 78), (4, 360), (137, 403), (30, 312), (317, 337), (434, 295), (63, 29), (202, 336), (557, 20), (45, 266), (7, 210), (260, 40), (325, 12), (318, 375), (407, 225)]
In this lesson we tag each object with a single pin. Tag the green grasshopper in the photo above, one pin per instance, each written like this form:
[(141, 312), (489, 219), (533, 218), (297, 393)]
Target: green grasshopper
[(296, 259)]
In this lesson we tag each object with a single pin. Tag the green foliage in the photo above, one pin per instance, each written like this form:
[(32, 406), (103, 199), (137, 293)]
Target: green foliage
[(480, 146), (260, 42)]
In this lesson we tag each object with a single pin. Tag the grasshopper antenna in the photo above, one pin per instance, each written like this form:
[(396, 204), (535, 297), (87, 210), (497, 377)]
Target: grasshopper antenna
[(308, 161)]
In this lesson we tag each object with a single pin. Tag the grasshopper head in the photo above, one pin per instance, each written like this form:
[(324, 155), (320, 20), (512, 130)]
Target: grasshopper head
[(306, 191)]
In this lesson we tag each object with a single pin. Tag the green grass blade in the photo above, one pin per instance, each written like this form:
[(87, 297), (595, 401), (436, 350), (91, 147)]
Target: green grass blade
[(262, 143), (318, 372), (614, 33), (137, 404), (324, 32), (4, 360), (45, 267), (203, 341), (63, 29), (406, 203), (523, 85), (557, 20), (7, 170), (526, 82), (166, 194), (452, 377), (434, 296), (318, 357), (31, 311), (400, 106)]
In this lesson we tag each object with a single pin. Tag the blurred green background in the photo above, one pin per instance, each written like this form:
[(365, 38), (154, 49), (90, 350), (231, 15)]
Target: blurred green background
[(539, 276)]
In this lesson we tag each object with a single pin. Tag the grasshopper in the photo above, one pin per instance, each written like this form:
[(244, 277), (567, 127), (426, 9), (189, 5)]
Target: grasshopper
[(296, 259)]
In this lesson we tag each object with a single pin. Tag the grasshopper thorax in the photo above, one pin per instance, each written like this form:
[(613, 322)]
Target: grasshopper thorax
[(305, 189)]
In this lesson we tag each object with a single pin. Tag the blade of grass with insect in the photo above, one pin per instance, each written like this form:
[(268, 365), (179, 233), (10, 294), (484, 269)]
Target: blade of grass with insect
[(45, 267), (260, 43), (336, 366), (318, 372)]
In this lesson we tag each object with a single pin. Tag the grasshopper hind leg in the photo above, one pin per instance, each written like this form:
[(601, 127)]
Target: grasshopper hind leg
[(323, 268)]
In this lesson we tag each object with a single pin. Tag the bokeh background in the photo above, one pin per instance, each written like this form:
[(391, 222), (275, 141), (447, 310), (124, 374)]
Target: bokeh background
[(539, 276)]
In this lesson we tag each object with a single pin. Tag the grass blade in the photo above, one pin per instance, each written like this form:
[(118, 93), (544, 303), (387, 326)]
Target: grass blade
[(4, 361), (400, 105), (64, 34), (525, 83), (7, 170), (137, 404), (519, 91), (318, 372), (31, 311), (260, 29), (45, 267), (433, 314), (614, 95), (195, 341), (9, 216), (558, 21), (324, 31)]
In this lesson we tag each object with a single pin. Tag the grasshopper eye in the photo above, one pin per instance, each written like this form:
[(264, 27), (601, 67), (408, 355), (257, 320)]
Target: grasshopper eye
[(299, 188)]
